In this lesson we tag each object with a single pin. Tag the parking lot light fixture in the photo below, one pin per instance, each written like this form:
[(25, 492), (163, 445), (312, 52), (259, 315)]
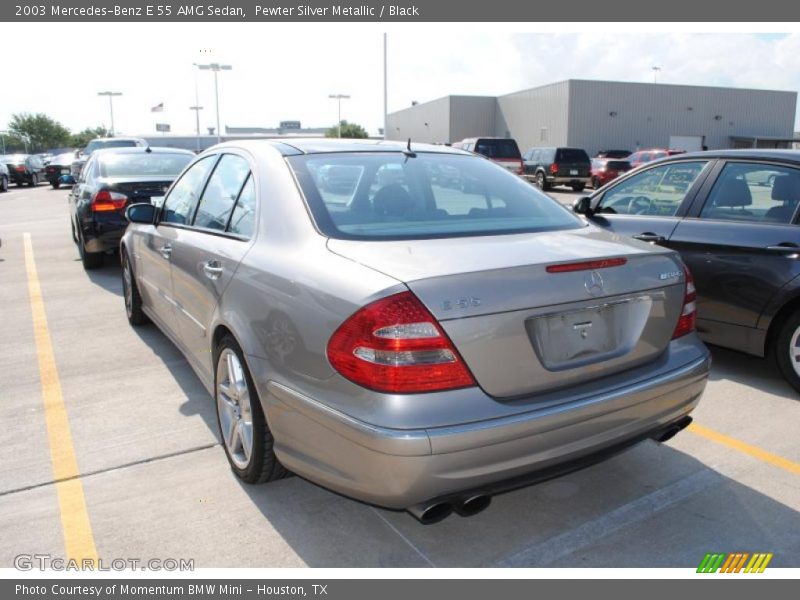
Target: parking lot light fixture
[(656, 71), (216, 68), (339, 98), (110, 107)]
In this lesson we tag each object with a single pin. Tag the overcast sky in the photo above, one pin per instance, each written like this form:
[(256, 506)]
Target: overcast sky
[(287, 72)]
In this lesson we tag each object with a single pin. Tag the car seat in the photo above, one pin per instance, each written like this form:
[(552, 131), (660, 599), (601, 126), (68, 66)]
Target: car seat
[(785, 189), (731, 198)]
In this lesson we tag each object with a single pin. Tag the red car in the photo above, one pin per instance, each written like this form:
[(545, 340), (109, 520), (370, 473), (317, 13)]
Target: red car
[(607, 169), (645, 156)]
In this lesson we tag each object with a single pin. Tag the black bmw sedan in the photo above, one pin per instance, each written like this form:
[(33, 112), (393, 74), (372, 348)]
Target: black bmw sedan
[(733, 216), (110, 181), (24, 169)]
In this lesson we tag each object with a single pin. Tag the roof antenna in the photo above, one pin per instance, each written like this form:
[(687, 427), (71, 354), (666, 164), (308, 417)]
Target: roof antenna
[(408, 151)]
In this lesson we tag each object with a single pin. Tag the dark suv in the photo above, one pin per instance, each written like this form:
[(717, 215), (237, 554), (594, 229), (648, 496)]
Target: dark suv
[(547, 167), (503, 151)]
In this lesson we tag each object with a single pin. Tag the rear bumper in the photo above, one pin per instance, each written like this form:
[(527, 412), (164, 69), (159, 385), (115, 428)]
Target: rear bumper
[(103, 236), (401, 468), (559, 180)]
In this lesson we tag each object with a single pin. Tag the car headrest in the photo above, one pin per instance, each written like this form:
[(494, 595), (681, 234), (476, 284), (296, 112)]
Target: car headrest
[(392, 201), (733, 193), (786, 187)]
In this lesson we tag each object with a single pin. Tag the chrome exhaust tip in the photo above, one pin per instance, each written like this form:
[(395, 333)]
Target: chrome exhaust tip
[(428, 514), (472, 505)]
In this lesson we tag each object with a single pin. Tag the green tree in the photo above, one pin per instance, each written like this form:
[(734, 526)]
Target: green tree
[(349, 130), (41, 131), (11, 143), (80, 139)]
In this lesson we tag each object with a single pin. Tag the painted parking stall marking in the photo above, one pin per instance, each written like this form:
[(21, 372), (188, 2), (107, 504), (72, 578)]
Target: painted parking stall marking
[(77, 529)]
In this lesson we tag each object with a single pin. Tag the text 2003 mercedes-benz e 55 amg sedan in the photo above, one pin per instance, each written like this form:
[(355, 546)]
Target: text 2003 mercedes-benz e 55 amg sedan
[(423, 334)]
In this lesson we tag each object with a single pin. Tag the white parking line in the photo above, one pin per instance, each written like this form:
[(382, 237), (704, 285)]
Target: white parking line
[(564, 544), (404, 538)]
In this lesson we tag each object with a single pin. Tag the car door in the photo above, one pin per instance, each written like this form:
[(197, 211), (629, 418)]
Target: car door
[(153, 245), (649, 204), (205, 255), (742, 244)]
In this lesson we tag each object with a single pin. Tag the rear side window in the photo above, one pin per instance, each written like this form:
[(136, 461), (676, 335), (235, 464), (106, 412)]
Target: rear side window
[(244, 213), (572, 155), (182, 198), (498, 148), (754, 192), (221, 191), (429, 196)]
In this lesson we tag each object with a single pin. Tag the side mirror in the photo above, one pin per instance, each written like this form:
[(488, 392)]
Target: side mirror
[(141, 213), (582, 206)]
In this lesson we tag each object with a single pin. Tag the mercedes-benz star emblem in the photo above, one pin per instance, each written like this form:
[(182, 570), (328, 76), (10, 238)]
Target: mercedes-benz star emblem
[(593, 283)]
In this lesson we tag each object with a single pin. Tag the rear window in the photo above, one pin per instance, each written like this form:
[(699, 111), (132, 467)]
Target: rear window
[(498, 148), (572, 155), (146, 164), (618, 165), (389, 196), (102, 145)]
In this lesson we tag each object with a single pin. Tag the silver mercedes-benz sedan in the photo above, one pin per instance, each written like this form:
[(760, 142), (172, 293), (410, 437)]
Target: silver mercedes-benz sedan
[(409, 325)]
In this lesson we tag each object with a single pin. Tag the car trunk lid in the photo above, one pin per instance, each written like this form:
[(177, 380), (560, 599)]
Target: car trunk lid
[(523, 322)]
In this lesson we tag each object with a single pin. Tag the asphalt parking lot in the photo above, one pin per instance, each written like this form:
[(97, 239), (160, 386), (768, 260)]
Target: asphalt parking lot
[(155, 483)]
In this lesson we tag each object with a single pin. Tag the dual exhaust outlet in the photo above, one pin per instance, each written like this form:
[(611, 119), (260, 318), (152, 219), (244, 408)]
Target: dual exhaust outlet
[(470, 505), (428, 513)]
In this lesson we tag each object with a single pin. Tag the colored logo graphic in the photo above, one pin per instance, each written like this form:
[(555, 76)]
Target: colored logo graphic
[(735, 562)]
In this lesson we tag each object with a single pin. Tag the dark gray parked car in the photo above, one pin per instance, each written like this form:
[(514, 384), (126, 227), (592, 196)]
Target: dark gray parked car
[(733, 216), (411, 344)]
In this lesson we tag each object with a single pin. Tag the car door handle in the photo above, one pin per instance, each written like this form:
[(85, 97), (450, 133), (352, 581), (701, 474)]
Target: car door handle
[(166, 251), (213, 269), (650, 237), (784, 248)]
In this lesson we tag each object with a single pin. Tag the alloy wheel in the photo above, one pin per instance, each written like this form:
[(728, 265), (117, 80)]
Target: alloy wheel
[(233, 407), (794, 351)]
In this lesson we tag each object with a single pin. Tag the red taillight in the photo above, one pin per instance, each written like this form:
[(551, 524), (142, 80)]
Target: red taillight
[(395, 345), (554, 168), (105, 201), (587, 265), (20, 168), (688, 318)]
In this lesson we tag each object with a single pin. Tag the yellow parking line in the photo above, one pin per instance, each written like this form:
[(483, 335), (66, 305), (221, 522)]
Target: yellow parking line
[(78, 538), (754, 451)]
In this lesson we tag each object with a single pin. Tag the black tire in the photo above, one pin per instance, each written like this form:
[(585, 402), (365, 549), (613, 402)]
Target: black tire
[(4, 184), (578, 187), (263, 465), (541, 181), (56, 185), (72, 229), (130, 293), (90, 260), (34, 180), (595, 183), (20, 183), (782, 349)]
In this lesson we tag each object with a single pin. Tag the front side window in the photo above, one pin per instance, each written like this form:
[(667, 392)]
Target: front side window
[(221, 192), (654, 192), (431, 195), (182, 198), (754, 192)]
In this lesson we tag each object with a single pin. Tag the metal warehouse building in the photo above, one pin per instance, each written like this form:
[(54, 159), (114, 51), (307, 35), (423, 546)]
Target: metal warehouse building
[(597, 115)]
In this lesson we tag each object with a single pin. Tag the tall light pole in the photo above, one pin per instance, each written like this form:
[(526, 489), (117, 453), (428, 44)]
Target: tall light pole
[(656, 71), (216, 68), (110, 107), (197, 110), (385, 89), (339, 98)]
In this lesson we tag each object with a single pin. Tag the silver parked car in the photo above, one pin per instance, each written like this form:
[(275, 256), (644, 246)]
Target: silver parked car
[(407, 343)]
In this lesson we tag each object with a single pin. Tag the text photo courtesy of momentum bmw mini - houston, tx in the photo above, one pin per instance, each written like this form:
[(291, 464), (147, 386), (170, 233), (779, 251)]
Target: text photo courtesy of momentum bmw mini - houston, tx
[(358, 295)]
